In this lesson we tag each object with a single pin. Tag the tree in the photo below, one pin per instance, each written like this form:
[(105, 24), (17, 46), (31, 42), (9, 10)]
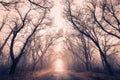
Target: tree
[(39, 47), (108, 18), (80, 48), (4, 23), (84, 23), (31, 18)]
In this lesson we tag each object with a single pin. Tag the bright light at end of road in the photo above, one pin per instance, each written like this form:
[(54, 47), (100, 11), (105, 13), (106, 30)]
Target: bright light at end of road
[(59, 65)]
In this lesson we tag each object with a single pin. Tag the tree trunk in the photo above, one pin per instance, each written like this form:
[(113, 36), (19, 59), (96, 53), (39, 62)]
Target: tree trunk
[(34, 66), (13, 67), (104, 58), (87, 59), (87, 65), (107, 65)]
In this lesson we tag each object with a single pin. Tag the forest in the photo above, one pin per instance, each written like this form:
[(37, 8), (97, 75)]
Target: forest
[(83, 44)]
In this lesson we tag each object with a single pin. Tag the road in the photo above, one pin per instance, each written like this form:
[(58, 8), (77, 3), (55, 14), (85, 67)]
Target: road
[(59, 76), (64, 75)]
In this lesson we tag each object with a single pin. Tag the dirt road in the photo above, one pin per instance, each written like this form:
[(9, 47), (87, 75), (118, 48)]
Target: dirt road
[(59, 76)]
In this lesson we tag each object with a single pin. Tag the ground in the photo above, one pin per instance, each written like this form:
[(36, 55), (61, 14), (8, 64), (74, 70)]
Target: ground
[(61, 75)]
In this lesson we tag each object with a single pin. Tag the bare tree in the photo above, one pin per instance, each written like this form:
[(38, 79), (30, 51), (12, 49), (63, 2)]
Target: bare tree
[(3, 24), (108, 18), (109, 48), (86, 51), (80, 48), (75, 48), (84, 23), (24, 19), (39, 47)]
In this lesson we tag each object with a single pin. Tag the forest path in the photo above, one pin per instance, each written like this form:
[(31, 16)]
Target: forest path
[(58, 76)]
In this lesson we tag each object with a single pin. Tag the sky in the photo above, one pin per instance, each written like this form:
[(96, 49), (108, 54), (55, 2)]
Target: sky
[(57, 12), (58, 21)]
